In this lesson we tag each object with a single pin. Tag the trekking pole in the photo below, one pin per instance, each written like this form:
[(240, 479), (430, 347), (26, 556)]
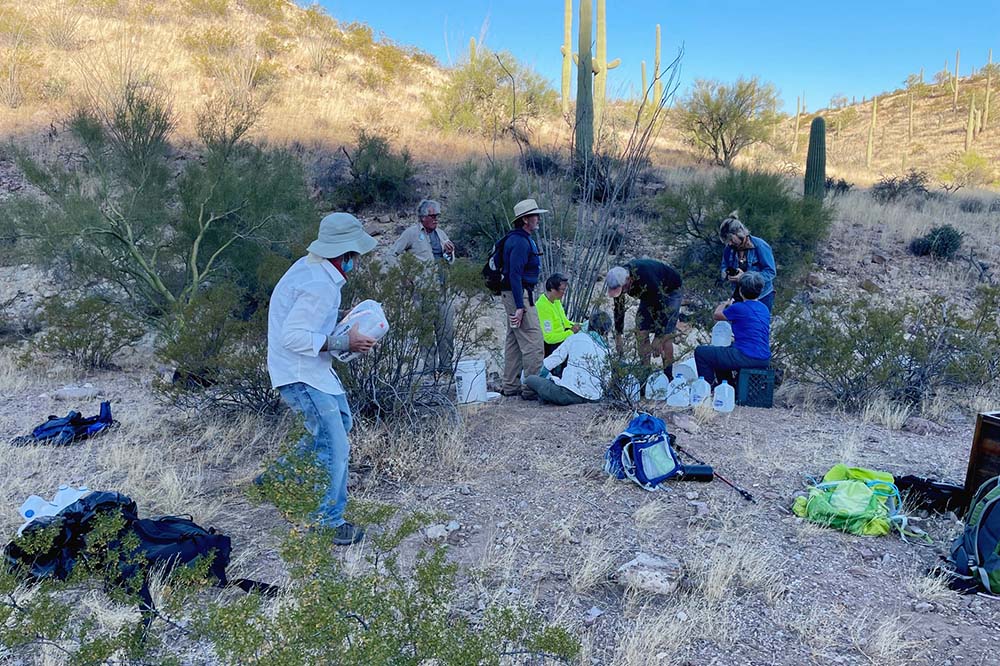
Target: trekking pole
[(746, 495)]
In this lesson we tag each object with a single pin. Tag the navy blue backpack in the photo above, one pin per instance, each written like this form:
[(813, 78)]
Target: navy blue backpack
[(643, 453), (60, 431)]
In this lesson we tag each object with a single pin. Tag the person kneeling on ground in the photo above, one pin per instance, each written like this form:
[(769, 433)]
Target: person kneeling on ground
[(586, 372), (751, 322)]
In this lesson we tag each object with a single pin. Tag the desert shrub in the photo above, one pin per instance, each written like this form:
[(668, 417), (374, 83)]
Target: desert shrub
[(905, 352), (541, 162), (90, 331), (358, 37), (389, 382), (969, 169), (393, 61), (273, 10), (17, 66), (270, 45), (214, 41), (378, 175), (215, 8), (53, 88), (971, 205), (481, 203), (837, 186), (61, 29), (315, 18), (480, 96), (792, 225), (106, 7), (940, 242), (900, 188), (218, 353)]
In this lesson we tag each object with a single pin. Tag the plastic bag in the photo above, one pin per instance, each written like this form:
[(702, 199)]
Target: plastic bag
[(371, 321)]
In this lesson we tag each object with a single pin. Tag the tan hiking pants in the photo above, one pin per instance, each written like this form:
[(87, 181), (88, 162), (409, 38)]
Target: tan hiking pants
[(523, 348)]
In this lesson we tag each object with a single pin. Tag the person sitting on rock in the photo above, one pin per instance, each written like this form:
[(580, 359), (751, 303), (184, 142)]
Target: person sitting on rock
[(587, 370), (751, 322)]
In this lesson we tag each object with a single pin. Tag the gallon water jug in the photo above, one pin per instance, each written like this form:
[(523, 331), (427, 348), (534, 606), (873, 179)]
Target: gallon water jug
[(371, 321), (33, 508), (657, 387), (725, 397), (686, 370), (66, 495), (722, 334), (470, 380), (678, 393), (700, 390)]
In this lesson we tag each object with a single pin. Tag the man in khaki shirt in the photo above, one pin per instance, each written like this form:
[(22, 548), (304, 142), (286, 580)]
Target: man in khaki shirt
[(430, 244)]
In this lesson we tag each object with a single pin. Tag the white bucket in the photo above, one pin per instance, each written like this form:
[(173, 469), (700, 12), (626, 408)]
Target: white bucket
[(686, 370), (470, 380)]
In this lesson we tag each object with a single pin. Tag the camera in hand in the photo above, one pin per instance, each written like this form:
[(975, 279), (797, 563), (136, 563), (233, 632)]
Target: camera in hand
[(730, 271)]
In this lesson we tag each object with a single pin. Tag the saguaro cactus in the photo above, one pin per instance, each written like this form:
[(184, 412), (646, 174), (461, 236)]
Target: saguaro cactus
[(970, 126), (954, 100), (472, 49), (567, 54), (989, 81), (644, 93), (909, 119), (584, 87), (601, 65), (815, 182), (870, 152), (657, 84)]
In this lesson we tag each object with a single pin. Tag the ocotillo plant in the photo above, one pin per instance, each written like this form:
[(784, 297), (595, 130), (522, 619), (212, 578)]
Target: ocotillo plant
[(567, 54), (815, 181), (657, 86), (584, 88), (871, 135), (601, 65)]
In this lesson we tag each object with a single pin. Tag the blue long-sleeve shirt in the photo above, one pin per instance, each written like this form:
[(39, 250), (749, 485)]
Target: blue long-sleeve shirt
[(520, 265), (760, 259)]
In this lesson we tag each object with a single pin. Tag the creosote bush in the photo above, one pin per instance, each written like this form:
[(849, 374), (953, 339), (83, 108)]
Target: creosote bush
[(942, 242), (481, 202), (378, 175), (90, 332), (906, 353), (912, 186)]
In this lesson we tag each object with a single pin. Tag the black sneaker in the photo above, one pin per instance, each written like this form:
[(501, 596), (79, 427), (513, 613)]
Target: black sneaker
[(347, 534)]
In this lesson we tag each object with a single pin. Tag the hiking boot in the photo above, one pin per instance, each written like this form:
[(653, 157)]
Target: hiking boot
[(529, 396), (510, 394), (347, 534)]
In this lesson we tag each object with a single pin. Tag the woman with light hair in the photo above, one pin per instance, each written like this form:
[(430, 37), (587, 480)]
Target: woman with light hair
[(745, 254), (751, 322)]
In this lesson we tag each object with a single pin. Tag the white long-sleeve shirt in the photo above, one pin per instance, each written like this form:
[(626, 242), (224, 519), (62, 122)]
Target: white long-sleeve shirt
[(586, 372), (302, 312)]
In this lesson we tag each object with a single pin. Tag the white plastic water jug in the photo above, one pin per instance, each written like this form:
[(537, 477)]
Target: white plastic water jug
[(700, 390), (371, 321), (686, 369), (725, 397), (470, 380), (66, 495), (36, 507), (657, 387), (722, 334), (678, 393)]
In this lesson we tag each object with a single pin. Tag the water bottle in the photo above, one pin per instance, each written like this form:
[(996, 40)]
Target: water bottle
[(678, 393), (700, 390), (657, 387), (725, 397), (702, 473), (36, 507), (722, 334)]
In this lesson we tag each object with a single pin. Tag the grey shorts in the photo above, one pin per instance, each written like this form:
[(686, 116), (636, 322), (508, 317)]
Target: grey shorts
[(660, 319)]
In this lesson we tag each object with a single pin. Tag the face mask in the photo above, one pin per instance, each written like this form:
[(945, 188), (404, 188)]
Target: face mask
[(348, 265)]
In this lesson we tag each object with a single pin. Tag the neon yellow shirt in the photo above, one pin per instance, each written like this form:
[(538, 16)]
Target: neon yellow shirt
[(552, 318)]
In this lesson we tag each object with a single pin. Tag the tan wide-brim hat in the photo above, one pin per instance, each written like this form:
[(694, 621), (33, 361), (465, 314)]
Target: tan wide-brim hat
[(340, 233), (526, 207)]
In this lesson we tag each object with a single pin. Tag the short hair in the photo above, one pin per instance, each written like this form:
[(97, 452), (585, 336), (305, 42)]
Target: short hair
[(732, 225), (600, 322), (751, 284), (519, 222), (555, 281), (616, 277), (425, 206)]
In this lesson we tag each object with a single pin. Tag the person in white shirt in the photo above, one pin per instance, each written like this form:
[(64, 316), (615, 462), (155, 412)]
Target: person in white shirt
[(587, 370), (303, 312)]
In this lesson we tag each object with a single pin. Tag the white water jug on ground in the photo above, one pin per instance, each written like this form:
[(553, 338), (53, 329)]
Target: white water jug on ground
[(725, 397), (470, 380), (722, 334), (657, 387), (700, 391), (678, 393), (686, 369)]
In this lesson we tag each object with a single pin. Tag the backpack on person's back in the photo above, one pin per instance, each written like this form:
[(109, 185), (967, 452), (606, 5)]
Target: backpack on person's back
[(493, 269)]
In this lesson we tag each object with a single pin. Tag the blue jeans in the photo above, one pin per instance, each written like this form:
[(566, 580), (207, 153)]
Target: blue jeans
[(713, 360), (328, 420)]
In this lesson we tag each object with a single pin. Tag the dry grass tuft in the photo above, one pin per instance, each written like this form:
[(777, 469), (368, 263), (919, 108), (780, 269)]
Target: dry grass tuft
[(882, 639), (929, 587), (592, 567), (13, 379), (885, 412), (651, 513)]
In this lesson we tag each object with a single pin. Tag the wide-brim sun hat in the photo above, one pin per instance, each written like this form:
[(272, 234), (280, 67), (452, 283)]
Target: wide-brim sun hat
[(526, 207), (340, 233)]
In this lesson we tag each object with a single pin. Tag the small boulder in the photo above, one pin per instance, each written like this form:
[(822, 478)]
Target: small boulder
[(85, 392), (879, 258), (650, 573), (590, 617), (436, 533), (920, 426), (869, 285)]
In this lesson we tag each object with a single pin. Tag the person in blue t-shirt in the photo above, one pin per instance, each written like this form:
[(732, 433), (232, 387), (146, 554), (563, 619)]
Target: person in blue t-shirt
[(751, 322)]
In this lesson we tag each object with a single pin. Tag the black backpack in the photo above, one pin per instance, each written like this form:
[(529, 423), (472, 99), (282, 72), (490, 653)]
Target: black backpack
[(493, 268)]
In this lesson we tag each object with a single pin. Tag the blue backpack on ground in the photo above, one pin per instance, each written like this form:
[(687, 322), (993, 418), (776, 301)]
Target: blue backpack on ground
[(643, 453), (975, 554), (70, 428)]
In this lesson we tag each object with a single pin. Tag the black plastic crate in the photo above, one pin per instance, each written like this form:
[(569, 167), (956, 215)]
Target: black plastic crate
[(755, 387)]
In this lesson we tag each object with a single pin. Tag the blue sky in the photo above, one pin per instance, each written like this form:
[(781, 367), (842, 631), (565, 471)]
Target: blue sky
[(819, 49)]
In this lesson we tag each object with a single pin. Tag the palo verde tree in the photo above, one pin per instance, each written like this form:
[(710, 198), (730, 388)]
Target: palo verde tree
[(723, 119)]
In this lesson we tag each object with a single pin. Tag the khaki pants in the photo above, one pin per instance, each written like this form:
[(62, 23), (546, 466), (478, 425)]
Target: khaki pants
[(443, 347), (523, 348)]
